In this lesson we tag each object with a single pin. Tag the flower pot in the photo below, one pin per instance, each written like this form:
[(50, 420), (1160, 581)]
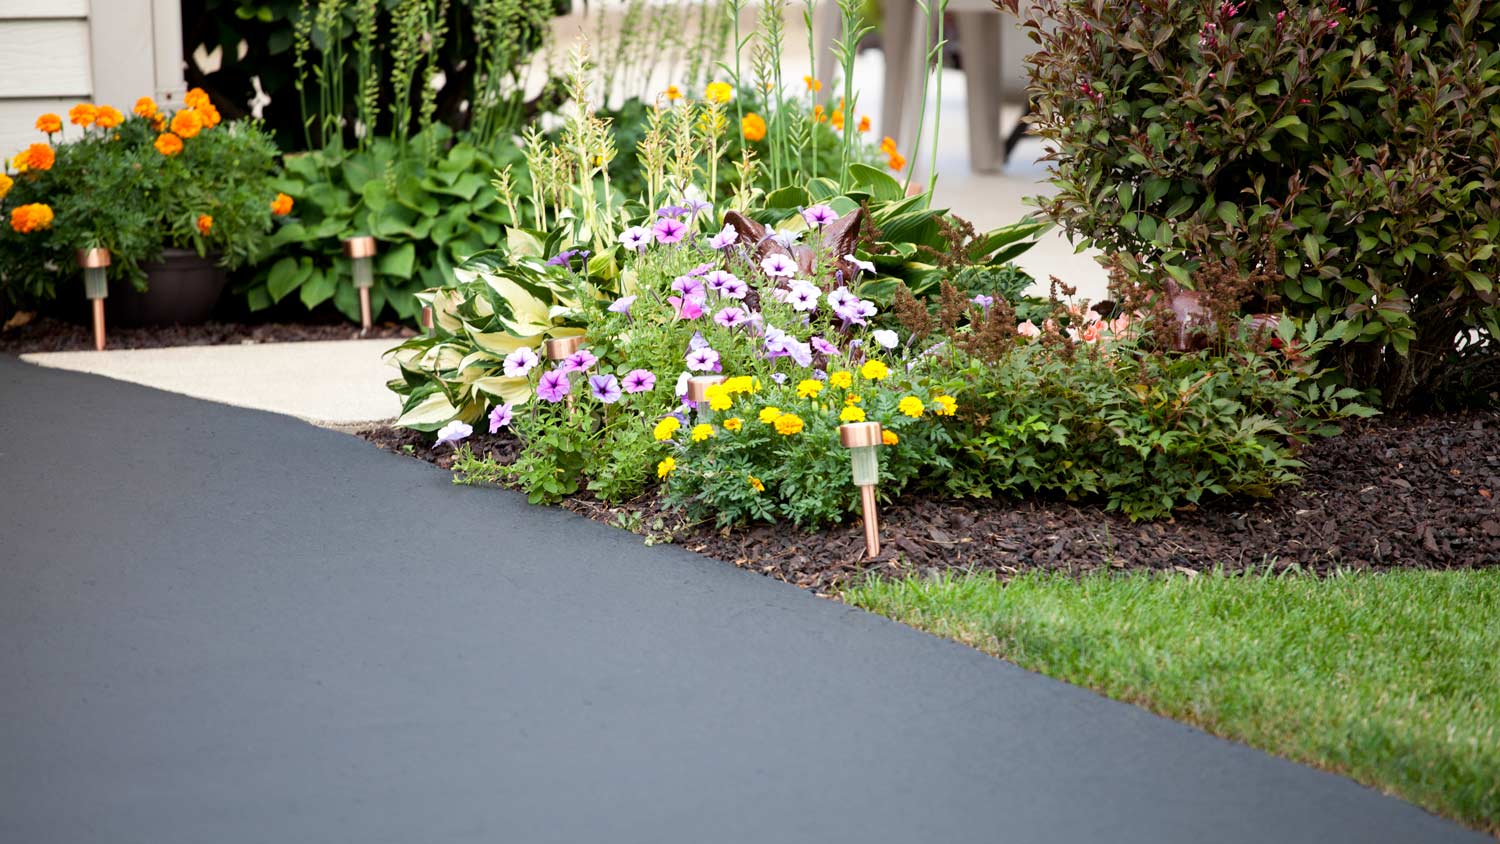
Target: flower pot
[(182, 288)]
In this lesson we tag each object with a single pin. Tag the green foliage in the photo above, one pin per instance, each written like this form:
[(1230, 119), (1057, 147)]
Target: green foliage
[(113, 189), (1386, 678), (1342, 160)]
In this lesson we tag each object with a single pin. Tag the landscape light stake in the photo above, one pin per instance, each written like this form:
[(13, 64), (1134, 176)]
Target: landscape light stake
[(557, 349), (95, 287), (361, 251), (697, 392), (862, 439)]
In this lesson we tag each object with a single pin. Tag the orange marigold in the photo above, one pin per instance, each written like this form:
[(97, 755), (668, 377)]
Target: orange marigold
[(145, 107), (49, 123), (837, 120), (205, 224), (281, 205), (187, 123), (108, 117), (897, 162), (195, 98), (864, 123), (5, 184), (888, 145), (82, 114), (34, 157), (210, 115), (29, 218), (168, 144), (753, 127)]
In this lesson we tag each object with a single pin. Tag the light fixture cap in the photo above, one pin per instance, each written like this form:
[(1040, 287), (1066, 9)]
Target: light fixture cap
[(557, 348), (95, 258), (697, 386), (859, 434), (362, 246)]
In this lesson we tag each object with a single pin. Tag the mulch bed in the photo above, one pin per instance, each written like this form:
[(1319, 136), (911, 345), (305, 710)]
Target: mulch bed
[(1420, 492), (45, 334)]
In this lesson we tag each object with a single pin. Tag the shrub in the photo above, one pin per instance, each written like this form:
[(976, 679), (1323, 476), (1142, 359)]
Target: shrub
[(1342, 158)]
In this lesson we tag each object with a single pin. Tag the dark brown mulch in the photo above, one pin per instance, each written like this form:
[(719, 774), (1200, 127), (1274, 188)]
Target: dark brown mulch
[(1421, 492), (45, 334)]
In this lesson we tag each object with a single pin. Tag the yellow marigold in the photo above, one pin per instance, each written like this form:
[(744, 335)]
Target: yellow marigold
[(836, 120), (195, 98), (911, 406), (753, 127), (145, 107), (210, 116), (718, 397), (733, 423), (205, 224), (29, 218), (187, 123), (702, 432), (852, 414), (897, 162), (813, 85), (82, 114), (281, 205), (739, 384), (874, 370), (843, 379), (769, 415), (788, 424), (889, 437), (5, 184), (168, 144), (49, 123), (666, 428), (672, 93), (718, 92), (864, 123), (755, 483), (108, 117), (809, 388), (34, 157), (947, 406), (666, 467)]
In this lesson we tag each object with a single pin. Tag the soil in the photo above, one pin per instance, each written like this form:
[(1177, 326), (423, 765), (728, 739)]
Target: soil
[(46, 334), (1420, 492)]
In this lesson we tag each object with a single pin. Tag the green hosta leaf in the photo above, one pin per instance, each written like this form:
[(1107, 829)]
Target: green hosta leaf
[(287, 275), (318, 288), (881, 185), (396, 262)]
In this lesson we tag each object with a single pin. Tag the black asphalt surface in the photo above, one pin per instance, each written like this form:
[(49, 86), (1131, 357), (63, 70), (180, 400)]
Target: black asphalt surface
[(221, 626)]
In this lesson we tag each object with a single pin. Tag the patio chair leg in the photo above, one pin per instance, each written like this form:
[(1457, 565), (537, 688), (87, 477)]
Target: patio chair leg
[(896, 42), (979, 40), (828, 27)]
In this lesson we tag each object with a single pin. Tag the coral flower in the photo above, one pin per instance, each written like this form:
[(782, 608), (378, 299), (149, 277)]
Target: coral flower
[(210, 115), (673, 93), (788, 424), (187, 123), (205, 224), (888, 145), (281, 205), (753, 127), (82, 114), (889, 437), (168, 144), (145, 107), (718, 92), (666, 467), (35, 157), (49, 123), (30, 218), (836, 120), (108, 117), (5, 184)]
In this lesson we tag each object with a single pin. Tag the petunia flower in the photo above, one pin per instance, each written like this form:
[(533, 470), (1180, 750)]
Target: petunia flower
[(731, 317), (622, 305), (639, 381), (605, 388), (841, 297), (554, 386), (697, 341), (819, 215), (563, 258), (669, 230), (520, 362), (703, 360), (733, 288), (823, 347), (983, 301), (786, 239), (685, 307), (682, 382), (778, 266), (885, 338), (695, 206), (701, 268), (724, 239), (636, 238), (454, 433), (690, 288), (864, 266), (500, 417), (578, 361), (803, 296), (671, 211), (717, 279)]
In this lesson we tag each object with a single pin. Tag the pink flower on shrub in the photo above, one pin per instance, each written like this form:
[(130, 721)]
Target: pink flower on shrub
[(1028, 329), (685, 307), (500, 417), (639, 381), (554, 386), (731, 317), (819, 215), (669, 230), (724, 239)]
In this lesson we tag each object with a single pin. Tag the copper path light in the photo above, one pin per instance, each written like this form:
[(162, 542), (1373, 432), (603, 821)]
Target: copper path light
[(863, 439), (95, 286), (361, 252)]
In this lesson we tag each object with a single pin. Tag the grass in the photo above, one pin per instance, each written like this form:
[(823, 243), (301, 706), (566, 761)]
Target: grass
[(1391, 679)]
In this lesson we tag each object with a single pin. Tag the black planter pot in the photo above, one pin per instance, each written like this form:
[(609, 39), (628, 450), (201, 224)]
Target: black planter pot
[(183, 289)]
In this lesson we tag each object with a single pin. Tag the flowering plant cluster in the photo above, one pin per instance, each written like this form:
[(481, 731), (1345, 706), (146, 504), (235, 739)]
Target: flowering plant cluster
[(134, 184)]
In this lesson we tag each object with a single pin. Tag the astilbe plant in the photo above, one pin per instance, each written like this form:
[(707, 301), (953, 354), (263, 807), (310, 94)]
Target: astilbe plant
[(1343, 153)]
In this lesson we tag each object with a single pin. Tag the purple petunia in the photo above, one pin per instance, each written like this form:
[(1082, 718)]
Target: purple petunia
[(984, 301), (578, 361), (803, 296), (671, 211), (697, 341), (640, 381), (701, 268), (703, 360), (500, 417), (841, 297), (733, 288), (823, 347), (864, 266), (520, 362), (622, 305), (731, 317), (778, 266), (690, 288), (561, 259), (695, 207), (716, 280), (454, 433), (554, 386), (685, 307), (605, 388), (819, 215), (636, 238), (669, 230), (724, 239)]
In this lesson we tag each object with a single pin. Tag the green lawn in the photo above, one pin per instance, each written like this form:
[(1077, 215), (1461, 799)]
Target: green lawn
[(1392, 679)]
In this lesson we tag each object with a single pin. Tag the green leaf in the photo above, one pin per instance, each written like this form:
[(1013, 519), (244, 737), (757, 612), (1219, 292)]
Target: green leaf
[(397, 262), (318, 288), (879, 183), (287, 275)]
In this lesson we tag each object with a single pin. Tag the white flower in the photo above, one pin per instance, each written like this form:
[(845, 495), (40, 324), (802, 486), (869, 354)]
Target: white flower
[(454, 433), (786, 239), (886, 338), (778, 266), (636, 238), (866, 266)]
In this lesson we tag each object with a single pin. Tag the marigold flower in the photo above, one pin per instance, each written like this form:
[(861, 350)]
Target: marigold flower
[(673, 93), (195, 98), (911, 406), (874, 370), (281, 205), (897, 162), (755, 483), (144, 107), (49, 123), (889, 437), (718, 92), (666, 428), (947, 405), (205, 224), (82, 114), (108, 117), (852, 399), (718, 397), (666, 467), (753, 127), (210, 115), (769, 415), (820, 114), (740, 384), (187, 123), (813, 85), (852, 414), (702, 432), (168, 144), (864, 123), (34, 157), (788, 424), (843, 379), (809, 388), (29, 218), (733, 423), (5, 184), (836, 120), (888, 145)]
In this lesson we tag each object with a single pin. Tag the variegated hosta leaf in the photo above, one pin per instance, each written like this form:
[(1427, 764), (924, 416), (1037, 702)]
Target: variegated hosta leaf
[(435, 411), (509, 390)]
